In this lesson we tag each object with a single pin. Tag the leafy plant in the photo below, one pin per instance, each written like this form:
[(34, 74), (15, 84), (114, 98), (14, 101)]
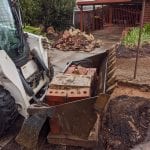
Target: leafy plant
[(131, 40), (55, 13), (34, 30), (147, 28)]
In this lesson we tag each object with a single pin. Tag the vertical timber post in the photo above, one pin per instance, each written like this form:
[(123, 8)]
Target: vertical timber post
[(93, 17), (140, 36), (81, 18), (110, 14)]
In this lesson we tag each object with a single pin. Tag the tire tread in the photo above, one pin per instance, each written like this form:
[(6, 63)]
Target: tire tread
[(8, 110)]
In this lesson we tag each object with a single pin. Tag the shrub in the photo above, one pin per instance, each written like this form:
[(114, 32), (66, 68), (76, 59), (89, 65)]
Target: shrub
[(34, 30), (131, 40), (57, 13)]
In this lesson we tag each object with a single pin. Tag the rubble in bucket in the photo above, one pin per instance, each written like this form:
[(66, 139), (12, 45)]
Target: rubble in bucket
[(76, 83), (75, 40)]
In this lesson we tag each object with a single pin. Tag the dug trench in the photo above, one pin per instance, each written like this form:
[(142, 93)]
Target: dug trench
[(126, 123), (127, 120)]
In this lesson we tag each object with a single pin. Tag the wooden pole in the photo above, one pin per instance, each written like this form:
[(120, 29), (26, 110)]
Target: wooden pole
[(94, 17), (139, 40), (81, 18), (110, 14)]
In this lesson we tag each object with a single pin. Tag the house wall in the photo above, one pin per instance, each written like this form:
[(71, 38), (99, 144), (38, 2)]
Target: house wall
[(147, 12)]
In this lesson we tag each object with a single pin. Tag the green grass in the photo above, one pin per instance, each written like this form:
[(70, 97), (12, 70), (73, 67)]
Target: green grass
[(34, 30), (131, 40)]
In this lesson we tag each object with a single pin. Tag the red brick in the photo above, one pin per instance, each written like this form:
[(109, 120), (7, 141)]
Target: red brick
[(55, 97), (81, 70), (70, 69), (78, 94), (92, 72), (77, 70)]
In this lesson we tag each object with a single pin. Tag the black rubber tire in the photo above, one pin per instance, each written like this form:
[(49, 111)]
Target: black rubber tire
[(8, 110)]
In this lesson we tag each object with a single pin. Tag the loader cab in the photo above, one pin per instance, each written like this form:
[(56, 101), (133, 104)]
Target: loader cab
[(12, 39), (27, 52)]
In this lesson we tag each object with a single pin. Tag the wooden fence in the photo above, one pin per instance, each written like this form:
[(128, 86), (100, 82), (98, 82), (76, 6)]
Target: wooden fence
[(121, 15)]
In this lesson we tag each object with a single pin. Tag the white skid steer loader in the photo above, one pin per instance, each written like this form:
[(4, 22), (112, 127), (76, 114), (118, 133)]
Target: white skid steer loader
[(24, 73)]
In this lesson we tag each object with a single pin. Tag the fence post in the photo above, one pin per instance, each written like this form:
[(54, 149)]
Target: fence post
[(140, 36)]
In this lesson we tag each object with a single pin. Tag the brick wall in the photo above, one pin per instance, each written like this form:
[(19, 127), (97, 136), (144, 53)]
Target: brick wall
[(147, 12)]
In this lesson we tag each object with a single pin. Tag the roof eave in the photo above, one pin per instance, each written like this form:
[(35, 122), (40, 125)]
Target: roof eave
[(97, 2)]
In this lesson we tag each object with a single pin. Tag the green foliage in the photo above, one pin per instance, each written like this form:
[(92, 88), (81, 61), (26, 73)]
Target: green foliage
[(131, 40), (147, 28), (30, 11), (33, 30), (47, 12)]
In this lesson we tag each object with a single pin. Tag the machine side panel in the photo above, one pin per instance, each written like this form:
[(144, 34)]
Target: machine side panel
[(10, 79)]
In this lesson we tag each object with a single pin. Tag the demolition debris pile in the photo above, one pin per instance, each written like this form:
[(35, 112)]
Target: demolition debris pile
[(75, 40)]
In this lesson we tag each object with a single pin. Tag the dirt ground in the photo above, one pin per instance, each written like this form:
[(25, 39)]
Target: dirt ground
[(123, 52), (127, 120), (126, 123), (125, 70), (126, 66), (130, 91)]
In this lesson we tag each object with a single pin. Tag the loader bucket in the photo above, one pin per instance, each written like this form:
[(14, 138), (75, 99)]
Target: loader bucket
[(74, 123), (76, 118)]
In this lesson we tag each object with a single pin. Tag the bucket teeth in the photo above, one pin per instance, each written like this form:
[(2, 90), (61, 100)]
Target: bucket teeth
[(111, 73), (111, 88), (113, 53), (111, 81), (111, 68), (112, 60)]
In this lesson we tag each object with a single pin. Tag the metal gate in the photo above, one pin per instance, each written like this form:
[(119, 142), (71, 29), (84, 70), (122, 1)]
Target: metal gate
[(122, 15)]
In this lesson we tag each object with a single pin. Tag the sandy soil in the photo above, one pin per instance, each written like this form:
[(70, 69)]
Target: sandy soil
[(127, 119), (125, 70), (126, 65), (124, 52), (130, 91)]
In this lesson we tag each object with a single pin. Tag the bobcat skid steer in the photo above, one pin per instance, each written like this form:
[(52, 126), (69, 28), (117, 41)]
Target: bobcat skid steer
[(24, 73)]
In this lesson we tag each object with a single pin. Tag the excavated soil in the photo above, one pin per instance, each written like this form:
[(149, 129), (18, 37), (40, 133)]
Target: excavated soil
[(126, 122), (124, 52), (126, 66), (131, 91)]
